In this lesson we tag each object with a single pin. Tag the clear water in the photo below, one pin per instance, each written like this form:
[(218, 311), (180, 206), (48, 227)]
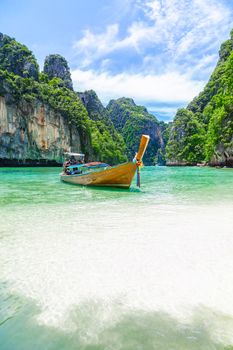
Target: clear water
[(109, 269)]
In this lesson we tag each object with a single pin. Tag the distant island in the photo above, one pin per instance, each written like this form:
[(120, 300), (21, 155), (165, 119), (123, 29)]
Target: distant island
[(41, 117)]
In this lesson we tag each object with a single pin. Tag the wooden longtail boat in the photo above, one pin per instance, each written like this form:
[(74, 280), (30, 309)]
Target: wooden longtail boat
[(101, 174)]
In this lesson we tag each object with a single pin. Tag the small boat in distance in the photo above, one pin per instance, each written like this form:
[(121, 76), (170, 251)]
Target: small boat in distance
[(75, 171)]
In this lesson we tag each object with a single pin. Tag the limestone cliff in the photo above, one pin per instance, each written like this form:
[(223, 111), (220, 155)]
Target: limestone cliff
[(93, 105), (203, 132), (41, 116), (56, 66), (16, 58), (223, 156), (123, 117), (131, 121), (34, 134)]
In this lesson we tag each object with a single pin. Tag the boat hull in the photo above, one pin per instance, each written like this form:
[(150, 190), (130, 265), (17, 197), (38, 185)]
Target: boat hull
[(117, 176)]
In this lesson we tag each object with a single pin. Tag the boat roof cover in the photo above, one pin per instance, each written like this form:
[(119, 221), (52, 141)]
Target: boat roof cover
[(93, 164), (88, 165), (74, 154)]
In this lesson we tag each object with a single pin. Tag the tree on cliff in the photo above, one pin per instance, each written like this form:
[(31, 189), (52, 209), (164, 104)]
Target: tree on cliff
[(17, 59), (131, 121), (187, 137), (56, 66)]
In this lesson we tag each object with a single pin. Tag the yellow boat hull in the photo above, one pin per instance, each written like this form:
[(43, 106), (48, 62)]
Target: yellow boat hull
[(117, 176)]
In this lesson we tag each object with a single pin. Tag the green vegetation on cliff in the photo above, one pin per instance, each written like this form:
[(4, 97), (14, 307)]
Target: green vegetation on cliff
[(131, 121), (204, 130), (56, 66), (19, 83), (187, 137), (16, 58), (18, 90)]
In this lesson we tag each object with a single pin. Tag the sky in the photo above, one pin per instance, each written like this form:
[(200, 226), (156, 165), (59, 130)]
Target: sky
[(158, 52)]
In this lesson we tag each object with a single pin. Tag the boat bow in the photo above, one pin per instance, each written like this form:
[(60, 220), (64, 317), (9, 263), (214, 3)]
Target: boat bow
[(115, 176)]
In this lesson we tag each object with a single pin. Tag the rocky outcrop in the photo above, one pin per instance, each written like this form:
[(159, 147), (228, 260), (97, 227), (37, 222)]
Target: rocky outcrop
[(34, 134), (95, 108), (222, 157), (40, 118), (131, 121), (17, 59), (93, 105), (56, 66), (120, 110), (203, 132)]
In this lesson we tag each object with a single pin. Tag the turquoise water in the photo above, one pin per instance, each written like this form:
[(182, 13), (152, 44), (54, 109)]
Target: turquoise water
[(88, 268), (159, 185)]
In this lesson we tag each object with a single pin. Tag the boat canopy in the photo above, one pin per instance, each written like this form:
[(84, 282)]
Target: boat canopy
[(70, 154), (89, 165)]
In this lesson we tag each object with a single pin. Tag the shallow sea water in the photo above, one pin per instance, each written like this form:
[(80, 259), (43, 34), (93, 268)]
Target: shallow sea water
[(109, 269)]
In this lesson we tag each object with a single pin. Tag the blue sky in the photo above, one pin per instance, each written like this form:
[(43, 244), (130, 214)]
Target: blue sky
[(159, 52)]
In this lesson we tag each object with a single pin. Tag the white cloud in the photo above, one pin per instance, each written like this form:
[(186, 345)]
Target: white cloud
[(169, 87), (187, 24), (95, 46), (180, 25), (175, 43)]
